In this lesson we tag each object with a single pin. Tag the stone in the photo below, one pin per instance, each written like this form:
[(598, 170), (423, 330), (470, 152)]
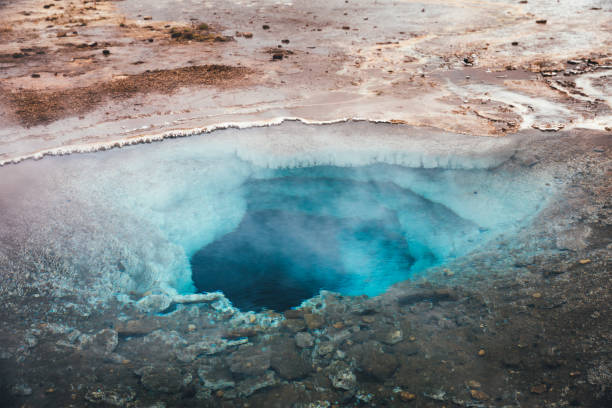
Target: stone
[(154, 303), (249, 386), (295, 325), (325, 349), (392, 337), (304, 340), (539, 389), (138, 326), (344, 379), (473, 384), (482, 353), (103, 342), (249, 361), (407, 396), (288, 363), (162, 379), (373, 361), (116, 397), (215, 377), (574, 239), (479, 395), (313, 321), (293, 314)]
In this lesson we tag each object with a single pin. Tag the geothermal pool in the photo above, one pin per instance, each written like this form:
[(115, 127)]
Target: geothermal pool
[(268, 216)]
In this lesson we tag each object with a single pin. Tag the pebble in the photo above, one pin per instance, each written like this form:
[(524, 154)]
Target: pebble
[(191, 327), (479, 395), (584, 261), (473, 384), (407, 396), (481, 352), (313, 321), (539, 389), (304, 340), (536, 295)]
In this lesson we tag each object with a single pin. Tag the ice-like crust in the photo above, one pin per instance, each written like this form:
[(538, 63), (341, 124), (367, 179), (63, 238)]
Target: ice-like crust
[(464, 144), (131, 218)]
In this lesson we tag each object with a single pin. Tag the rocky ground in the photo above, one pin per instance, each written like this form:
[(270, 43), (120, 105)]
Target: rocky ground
[(523, 322)]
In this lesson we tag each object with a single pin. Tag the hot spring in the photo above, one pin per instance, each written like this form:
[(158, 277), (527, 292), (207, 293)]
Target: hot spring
[(269, 216)]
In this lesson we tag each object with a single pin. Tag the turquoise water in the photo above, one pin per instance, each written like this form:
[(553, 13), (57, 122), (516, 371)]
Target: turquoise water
[(322, 228)]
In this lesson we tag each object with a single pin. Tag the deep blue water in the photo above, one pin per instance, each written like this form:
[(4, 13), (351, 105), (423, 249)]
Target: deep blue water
[(312, 229)]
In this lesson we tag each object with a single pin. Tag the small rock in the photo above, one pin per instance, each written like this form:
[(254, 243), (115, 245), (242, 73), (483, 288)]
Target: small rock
[(344, 380), (249, 361), (148, 18), (479, 395), (541, 21), (407, 396), (539, 389), (247, 35), (162, 379), (35, 75), (481, 352), (285, 41), (106, 52), (473, 384), (584, 261), (304, 340), (265, 27), (325, 349), (313, 321), (154, 303)]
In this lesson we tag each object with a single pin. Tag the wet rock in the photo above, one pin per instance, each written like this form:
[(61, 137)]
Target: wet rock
[(574, 239), (433, 296), (30, 340), (313, 321), (373, 361), (103, 342), (119, 397), (154, 303), (161, 379), (538, 389), (253, 384), (325, 349), (392, 336), (196, 298), (209, 346), (138, 326), (288, 363), (295, 325), (407, 396), (343, 379), (249, 361), (304, 340), (479, 395), (215, 376), (293, 314)]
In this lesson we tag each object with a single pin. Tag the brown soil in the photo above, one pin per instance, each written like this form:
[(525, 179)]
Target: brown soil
[(34, 107)]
